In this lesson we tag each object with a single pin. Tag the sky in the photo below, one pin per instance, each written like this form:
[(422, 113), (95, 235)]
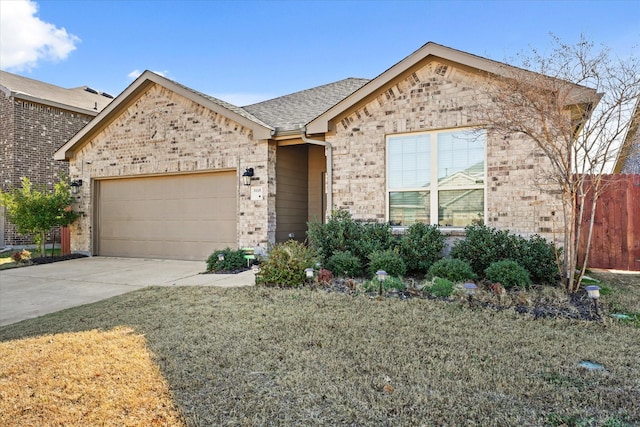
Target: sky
[(248, 51)]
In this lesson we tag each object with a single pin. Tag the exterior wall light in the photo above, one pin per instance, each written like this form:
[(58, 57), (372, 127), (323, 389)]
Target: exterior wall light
[(593, 292), (247, 175), (75, 186), (381, 275)]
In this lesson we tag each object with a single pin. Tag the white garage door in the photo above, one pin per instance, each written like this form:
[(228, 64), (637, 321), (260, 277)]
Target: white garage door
[(172, 217)]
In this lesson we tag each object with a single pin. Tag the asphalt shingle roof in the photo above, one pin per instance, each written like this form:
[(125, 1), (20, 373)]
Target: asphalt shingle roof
[(290, 112), (79, 98)]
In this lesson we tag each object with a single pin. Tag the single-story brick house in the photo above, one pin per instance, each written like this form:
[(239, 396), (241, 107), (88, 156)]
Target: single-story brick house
[(36, 118), (162, 166)]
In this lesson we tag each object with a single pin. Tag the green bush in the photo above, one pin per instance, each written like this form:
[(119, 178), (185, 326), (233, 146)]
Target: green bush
[(285, 265), (233, 260), (341, 233), (509, 273), (441, 287), (389, 283), (338, 234), (538, 257), (455, 270), (344, 264), (421, 246), (484, 245), (387, 260)]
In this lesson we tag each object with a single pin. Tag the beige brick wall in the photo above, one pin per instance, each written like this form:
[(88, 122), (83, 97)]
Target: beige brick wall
[(163, 132), (439, 96)]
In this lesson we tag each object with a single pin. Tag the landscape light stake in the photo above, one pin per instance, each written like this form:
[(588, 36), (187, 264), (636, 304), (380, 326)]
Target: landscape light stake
[(309, 273), (220, 257), (382, 275), (594, 293), (471, 290)]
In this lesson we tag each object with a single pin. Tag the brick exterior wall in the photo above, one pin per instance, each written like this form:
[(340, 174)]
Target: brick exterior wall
[(439, 96), (30, 134), (163, 132)]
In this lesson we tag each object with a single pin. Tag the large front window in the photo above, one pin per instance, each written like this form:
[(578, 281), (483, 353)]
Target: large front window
[(436, 178)]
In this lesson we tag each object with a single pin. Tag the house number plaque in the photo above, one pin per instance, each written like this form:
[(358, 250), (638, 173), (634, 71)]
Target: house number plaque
[(256, 193)]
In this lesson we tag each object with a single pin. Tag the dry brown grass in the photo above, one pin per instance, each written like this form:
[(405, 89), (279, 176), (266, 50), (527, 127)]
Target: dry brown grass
[(83, 378), (264, 356)]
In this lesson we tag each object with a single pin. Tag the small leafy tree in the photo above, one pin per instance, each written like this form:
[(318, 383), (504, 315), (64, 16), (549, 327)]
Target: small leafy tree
[(36, 211)]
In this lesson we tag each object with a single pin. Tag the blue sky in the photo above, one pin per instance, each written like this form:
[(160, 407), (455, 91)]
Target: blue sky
[(247, 51)]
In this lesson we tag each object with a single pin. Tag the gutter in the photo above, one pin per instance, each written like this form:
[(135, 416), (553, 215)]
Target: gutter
[(329, 150)]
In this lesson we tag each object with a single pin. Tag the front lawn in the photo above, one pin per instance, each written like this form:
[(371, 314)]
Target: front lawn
[(268, 356)]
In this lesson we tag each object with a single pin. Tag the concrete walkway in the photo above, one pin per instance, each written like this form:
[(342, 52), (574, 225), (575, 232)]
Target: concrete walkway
[(40, 289)]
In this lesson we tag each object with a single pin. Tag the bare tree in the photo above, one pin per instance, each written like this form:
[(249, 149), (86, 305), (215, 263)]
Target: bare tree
[(575, 103)]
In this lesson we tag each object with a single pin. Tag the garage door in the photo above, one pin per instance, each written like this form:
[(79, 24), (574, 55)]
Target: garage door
[(173, 217)]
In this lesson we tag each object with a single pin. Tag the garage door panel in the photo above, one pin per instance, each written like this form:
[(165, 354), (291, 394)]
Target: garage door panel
[(175, 217)]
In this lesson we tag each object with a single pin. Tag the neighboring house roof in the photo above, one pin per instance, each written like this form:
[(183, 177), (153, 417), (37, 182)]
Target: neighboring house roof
[(320, 124), (293, 111), (628, 160), (81, 99)]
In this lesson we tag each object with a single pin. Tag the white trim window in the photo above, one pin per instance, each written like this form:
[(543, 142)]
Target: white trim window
[(436, 178)]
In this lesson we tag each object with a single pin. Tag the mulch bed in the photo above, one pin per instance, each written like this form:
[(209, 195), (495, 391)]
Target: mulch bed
[(51, 259)]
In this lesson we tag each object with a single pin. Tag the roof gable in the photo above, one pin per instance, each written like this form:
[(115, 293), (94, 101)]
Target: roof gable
[(321, 124), (260, 129)]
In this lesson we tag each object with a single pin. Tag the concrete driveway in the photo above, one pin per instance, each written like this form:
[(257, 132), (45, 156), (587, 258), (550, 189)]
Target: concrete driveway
[(40, 289)]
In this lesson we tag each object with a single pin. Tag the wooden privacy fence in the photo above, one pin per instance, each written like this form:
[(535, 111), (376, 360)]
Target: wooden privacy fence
[(615, 242)]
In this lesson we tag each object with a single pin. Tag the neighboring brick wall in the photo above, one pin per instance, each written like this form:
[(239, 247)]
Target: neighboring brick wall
[(438, 96), (31, 133), (163, 132)]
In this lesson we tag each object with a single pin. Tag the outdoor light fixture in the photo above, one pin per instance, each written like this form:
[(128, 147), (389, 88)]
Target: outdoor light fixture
[(471, 290), (309, 272), (381, 275), (220, 257), (247, 175), (75, 186), (594, 293)]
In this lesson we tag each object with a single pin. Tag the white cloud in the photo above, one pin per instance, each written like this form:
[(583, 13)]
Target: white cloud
[(137, 73), (25, 39)]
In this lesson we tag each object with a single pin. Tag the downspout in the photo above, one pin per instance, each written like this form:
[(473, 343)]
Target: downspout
[(329, 149)]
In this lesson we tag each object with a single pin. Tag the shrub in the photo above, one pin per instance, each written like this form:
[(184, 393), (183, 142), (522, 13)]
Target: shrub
[(441, 287), (372, 238), (342, 233), (421, 246), (484, 245), (389, 261), (21, 256), (390, 282), (455, 270), (538, 257), (325, 277), (336, 235), (345, 264), (508, 273), (233, 260), (285, 265)]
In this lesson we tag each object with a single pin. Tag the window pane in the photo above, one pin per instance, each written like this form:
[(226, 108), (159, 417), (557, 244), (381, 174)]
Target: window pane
[(460, 158), (409, 161), (408, 207), (459, 208)]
